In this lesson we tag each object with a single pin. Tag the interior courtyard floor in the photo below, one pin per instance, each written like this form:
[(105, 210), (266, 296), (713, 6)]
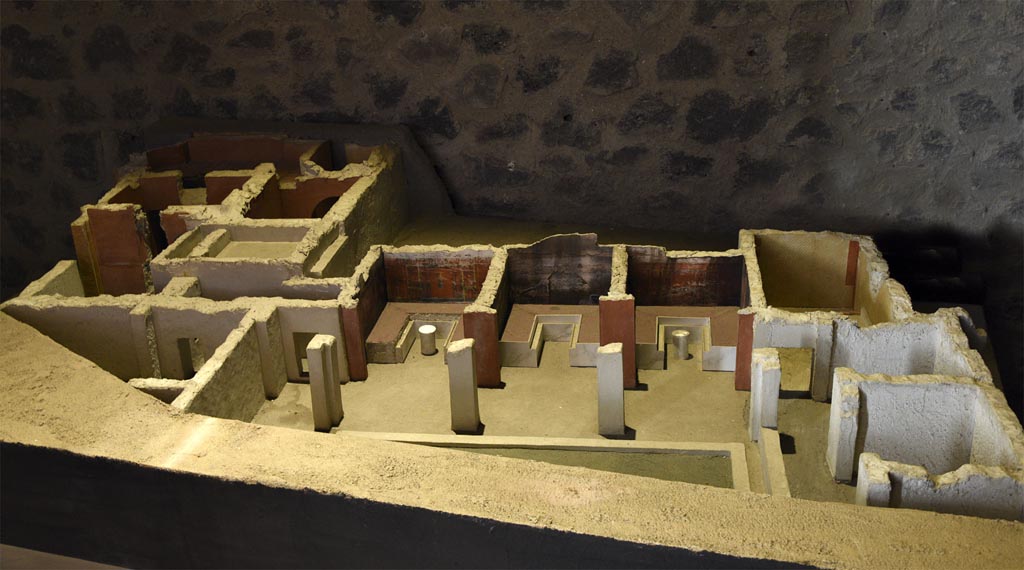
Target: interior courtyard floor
[(680, 404)]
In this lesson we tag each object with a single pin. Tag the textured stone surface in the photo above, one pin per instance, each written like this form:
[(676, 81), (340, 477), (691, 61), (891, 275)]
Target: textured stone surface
[(863, 116)]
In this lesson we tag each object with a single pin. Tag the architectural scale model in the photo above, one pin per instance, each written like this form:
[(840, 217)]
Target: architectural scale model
[(271, 278)]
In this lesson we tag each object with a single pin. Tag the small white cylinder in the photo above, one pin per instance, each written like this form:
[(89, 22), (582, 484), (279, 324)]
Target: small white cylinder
[(681, 339), (428, 339)]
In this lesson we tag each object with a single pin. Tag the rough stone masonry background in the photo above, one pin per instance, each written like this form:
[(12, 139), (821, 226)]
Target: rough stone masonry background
[(886, 117)]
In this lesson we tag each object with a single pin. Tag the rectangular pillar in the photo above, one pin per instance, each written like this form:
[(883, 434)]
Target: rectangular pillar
[(355, 343), (618, 325), (481, 325), (744, 351), (120, 244), (268, 333), (324, 382), (765, 383), (462, 387), (841, 452), (611, 405)]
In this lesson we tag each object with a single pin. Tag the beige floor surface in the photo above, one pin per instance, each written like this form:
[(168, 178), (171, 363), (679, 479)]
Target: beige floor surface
[(682, 403)]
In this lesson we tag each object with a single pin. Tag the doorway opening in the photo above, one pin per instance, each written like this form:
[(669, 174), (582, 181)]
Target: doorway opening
[(190, 350), (301, 340)]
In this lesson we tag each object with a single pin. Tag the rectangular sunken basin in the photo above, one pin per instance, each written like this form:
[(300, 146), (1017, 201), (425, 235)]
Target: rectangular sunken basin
[(714, 464)]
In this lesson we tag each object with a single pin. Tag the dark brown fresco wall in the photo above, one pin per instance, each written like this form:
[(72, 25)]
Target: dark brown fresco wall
[(899, 119)]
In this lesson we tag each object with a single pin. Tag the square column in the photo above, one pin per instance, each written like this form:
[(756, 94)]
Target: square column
[(611, 405), (765, 383), (355, 343), (744, 350), (324, 382), (618, 325), (481, 325), (462, 387)]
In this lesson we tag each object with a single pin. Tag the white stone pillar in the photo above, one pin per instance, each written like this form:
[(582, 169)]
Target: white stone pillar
[(462, 387), (765, 383), (324, 382), (611, 406), (681, 339), (428, 340)]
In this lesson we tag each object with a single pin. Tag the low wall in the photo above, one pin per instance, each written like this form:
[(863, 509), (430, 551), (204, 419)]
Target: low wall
[(920, 420), (226, 279), (891, 348), (973, 490), (199, 520), (773, 467), (921, 344)]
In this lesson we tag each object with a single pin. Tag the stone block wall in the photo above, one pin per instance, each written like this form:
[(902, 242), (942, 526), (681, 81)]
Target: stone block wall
[(864, 115)]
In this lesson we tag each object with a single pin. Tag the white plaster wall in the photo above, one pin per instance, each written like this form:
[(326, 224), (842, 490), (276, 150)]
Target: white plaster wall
[(313, 289), (804, 269), (171, 324), (99, 332), (314, 319), (976, 495), (801, 332), (765, 382), (891, 348), (919, 424), (164, 389)]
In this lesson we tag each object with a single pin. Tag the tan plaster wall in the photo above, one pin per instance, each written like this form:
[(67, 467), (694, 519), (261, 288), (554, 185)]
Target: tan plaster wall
[(803, 269)]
